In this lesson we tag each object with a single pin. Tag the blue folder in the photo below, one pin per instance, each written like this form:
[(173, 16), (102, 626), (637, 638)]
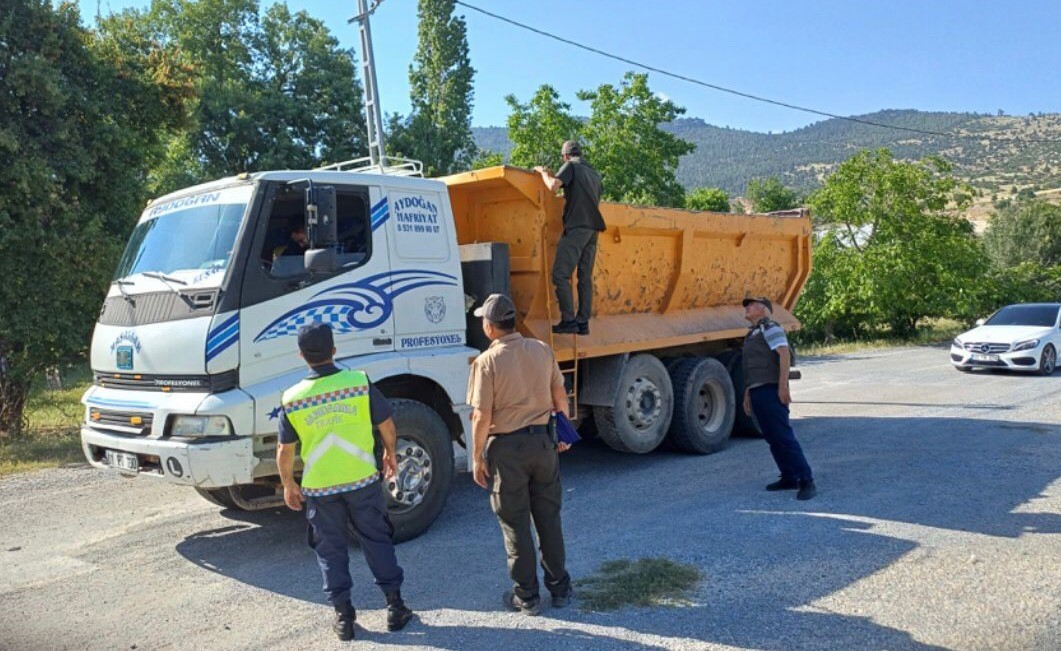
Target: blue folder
[(565, 431)]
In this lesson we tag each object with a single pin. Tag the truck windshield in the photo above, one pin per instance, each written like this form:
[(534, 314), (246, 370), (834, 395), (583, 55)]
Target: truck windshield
[(195, 239)]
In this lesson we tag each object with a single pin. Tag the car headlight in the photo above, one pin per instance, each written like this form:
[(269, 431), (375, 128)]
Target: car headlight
[(958, 343), (200, 426), (1025, 345)]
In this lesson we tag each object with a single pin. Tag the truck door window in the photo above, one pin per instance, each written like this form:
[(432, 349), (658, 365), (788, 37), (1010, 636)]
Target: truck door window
[(283, 251)]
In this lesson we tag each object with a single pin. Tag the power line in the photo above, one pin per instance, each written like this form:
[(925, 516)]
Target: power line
[(739, 93)]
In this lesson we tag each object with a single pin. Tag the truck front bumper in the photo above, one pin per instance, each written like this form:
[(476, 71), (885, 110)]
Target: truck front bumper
[(210, 463)]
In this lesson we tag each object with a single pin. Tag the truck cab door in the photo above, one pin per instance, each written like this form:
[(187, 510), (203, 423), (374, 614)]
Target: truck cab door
[(425, 264), (279, 296)]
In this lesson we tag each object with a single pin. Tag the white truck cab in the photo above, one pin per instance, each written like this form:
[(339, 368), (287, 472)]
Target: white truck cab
[(196, 339)]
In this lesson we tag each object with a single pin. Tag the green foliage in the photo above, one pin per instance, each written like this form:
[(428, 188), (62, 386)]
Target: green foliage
[(438, 130), (538, 128), (644, 583), (768, 195), (623, 140), (1025, 232), (713, 199), (891, 254), (77, 129), (270, 92), (486, 159)]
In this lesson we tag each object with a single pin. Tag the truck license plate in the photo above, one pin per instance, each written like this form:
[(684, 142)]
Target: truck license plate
[(985, 358), (123, 461)]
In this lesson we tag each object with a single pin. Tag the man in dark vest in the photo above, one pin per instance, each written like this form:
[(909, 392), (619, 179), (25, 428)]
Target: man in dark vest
[(578, 245), (330, 414), (767, 359)]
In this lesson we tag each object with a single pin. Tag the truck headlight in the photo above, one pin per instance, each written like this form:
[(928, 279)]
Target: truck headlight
[(200, 426), (1025, 345)]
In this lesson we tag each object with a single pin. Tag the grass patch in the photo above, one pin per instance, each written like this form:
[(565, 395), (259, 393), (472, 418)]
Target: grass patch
[(644, 583), (52, 435), (935, 332)]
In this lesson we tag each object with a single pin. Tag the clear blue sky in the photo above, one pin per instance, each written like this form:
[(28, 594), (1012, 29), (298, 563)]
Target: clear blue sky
[(842, 57)]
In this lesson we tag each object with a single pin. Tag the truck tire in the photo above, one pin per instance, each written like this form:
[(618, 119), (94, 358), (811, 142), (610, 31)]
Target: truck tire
[(418, 492), (219, 496), (640, 414), (743, 424), (704, 405)]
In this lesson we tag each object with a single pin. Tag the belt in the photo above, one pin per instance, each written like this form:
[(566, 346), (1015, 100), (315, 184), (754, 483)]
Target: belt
[(529, 429)]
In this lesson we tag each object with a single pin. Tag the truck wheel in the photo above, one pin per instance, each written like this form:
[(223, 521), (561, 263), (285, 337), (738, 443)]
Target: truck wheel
[(743, 424), (425, 469), (704, 405), (640, 415), (219, 496)]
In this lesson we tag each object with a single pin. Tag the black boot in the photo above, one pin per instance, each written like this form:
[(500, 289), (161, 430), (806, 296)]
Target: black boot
[(345, 616), (566, 328), (398, 614), (807, 489)]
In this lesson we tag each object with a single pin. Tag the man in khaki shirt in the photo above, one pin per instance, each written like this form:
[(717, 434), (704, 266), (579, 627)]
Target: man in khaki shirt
[(514, 387)]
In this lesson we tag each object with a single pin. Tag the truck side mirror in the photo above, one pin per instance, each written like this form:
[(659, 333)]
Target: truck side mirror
[(322, 220), (322, 260), (322, 229)]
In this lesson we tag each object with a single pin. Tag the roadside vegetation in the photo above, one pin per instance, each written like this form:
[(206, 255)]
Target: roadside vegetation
[(50, 436), (641, 583)]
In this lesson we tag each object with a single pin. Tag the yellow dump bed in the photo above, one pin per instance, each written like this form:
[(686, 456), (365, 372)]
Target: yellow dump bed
[(664, 277)]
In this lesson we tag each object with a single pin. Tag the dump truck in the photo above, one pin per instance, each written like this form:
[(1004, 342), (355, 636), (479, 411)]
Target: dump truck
[(196, 339)]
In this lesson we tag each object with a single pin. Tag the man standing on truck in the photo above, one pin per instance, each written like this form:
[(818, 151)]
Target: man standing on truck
[(767, 359), (514, 387), (578, 246), (331, 414)]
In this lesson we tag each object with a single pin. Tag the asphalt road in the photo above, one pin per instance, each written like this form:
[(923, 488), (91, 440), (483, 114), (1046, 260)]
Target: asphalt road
[(938, 525)]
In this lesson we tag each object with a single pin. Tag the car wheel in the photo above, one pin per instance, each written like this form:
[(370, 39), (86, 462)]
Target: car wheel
[(1048, 360)]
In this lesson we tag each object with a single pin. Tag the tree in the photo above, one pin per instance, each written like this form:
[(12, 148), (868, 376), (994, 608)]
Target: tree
[(892, 252), (270, 92), (713, 199), (768, 195), (77, 130), (486, 158), (539, 128), (438, 131), (1027, 231), (622, 139)]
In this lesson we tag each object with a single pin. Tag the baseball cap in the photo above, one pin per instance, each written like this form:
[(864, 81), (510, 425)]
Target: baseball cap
[(316, 342), (497, 308), (759, 299), (571, 148)]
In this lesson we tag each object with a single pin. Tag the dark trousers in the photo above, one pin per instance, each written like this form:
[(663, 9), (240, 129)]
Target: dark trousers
[(329, 536), (772, 415), (577, 249), (527, 487)]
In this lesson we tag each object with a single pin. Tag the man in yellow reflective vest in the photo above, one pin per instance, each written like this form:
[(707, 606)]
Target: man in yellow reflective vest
[(331, 414)]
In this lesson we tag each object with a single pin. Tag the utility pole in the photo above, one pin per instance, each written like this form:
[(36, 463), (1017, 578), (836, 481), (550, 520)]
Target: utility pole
[(377, 151)]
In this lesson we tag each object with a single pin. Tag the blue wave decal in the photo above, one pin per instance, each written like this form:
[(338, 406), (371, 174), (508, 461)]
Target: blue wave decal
[(103, 402), (380, 213), (355, 306), (222, 337)]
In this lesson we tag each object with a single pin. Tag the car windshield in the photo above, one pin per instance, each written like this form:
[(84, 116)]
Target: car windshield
[(194, 234), (1025, 315)]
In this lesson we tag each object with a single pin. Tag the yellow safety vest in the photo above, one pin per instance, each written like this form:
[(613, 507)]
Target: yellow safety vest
[(334, 425)]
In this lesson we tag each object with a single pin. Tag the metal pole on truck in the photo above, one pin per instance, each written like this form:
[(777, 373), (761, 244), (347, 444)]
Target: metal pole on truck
[(377, 151)]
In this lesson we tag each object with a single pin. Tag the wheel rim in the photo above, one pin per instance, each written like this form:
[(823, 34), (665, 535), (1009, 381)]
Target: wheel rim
[(412, 481), (708, 414), (644, 403), (1049, 360)]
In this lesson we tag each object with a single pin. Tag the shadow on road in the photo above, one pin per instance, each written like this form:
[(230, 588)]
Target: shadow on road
[(887, 486)]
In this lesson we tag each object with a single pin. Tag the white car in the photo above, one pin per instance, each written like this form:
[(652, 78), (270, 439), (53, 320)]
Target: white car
[(1023, 337)]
